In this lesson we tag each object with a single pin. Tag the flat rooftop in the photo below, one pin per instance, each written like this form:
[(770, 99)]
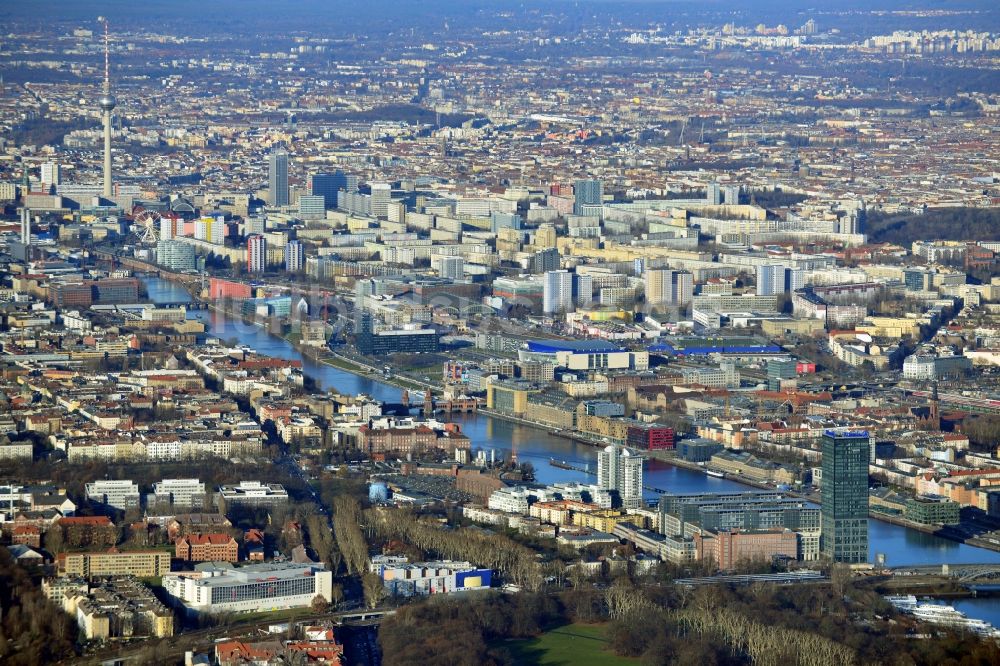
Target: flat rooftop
[(575, 346), (257, 573)]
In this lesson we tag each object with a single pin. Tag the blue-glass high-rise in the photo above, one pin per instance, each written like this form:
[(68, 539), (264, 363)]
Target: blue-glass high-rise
[(844, 515), (586, 193), (277, 177)]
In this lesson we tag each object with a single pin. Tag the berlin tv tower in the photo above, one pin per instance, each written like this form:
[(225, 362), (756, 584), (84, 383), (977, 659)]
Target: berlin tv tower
[(107, 103)]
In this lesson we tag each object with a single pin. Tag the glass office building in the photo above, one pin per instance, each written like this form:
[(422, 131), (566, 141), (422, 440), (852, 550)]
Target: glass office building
[(277, 177), (587, 193), (844, 514)]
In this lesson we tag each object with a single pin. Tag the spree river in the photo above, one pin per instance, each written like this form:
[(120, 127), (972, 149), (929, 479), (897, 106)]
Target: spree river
[(901, 546)]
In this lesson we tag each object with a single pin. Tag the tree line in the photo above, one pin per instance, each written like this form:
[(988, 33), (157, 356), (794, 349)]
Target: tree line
[(659, 623), (33, 630), (982, 430), (971, 224), (464, 631), (515, 563)]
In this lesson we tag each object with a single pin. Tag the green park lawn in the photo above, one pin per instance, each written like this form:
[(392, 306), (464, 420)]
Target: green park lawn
[(569, 645)]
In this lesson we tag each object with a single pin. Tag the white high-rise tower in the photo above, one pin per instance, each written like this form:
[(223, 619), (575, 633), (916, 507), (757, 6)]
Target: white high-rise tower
[(621, 470), (107, 103), (25, 227)]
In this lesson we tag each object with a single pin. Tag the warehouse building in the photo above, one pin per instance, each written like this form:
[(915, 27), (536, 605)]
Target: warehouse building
[(424, 578)]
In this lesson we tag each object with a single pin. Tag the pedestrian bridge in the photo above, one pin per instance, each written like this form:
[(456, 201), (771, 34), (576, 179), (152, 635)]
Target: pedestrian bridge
[(364, 616), (965, 573)]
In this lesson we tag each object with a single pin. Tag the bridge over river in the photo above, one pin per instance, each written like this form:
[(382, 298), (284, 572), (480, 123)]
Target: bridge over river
[(964, 573)]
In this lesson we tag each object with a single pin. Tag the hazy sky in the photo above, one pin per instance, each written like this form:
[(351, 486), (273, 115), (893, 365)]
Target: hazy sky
[(333, 16)]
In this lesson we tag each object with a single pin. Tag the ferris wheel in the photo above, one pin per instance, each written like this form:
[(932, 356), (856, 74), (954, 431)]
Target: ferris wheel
[(146, 226)]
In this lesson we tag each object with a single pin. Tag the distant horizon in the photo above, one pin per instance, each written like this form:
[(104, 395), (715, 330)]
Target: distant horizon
[(388, 16), (75, 10)]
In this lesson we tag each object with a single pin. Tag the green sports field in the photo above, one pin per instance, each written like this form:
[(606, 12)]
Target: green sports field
[(569, 645)]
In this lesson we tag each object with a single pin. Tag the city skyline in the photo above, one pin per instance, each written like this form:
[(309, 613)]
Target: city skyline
[(626, 330)]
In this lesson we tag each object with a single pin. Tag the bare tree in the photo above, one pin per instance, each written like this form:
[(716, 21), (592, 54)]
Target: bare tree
[(53, 540), (556, 569), (510, 559), (347, 531), (840, 578), (336, 558), (577, 575), (766, 644), (336, 594), (624, 599), (373, 588)]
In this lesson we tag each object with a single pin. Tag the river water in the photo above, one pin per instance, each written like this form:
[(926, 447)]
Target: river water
[(983, 608), (900, 546)]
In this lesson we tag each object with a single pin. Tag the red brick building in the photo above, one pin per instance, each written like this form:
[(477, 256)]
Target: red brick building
[(729, 548), (207, 548), (253, 544), (27, 535), (417, 439), (977, 257), (478, 484), (649, 437), (88, 292), (88, 531)]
